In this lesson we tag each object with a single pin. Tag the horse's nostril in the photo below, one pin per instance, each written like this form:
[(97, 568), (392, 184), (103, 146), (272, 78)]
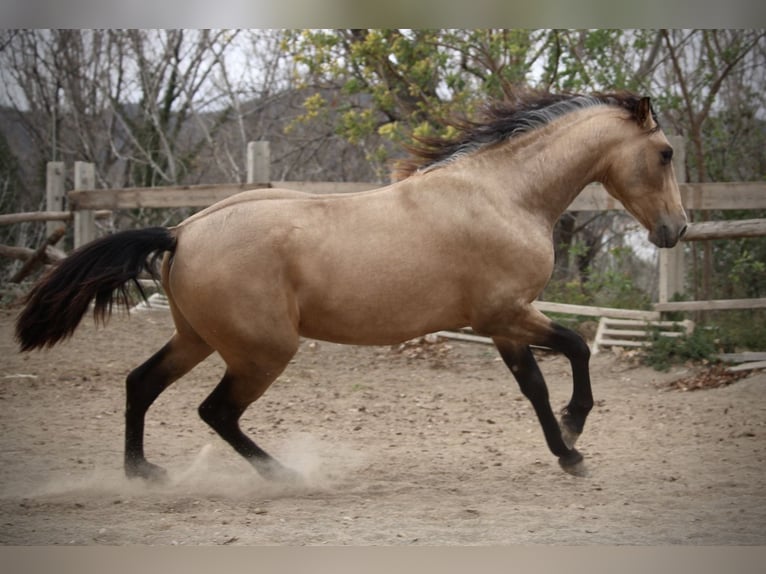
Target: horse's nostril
[(683, 231)]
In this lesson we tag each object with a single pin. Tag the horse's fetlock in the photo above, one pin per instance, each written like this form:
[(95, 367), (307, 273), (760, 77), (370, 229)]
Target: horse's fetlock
[(573, 417)]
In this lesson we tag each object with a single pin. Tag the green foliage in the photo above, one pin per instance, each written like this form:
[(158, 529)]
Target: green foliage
[(612, 286), (592, 58), (663, 352), (404, 82), (392, 71), (739, 265), (734, 140), (745, 269), (738, 330), (722, 332), (616, 289)]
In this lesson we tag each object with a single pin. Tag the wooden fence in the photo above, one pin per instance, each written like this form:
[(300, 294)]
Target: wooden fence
[(86, 203)]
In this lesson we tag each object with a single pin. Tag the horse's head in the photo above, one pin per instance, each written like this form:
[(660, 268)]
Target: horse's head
[(640, 175)]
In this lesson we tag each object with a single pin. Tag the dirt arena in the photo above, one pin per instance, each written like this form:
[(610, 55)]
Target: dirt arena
[(429, 445)]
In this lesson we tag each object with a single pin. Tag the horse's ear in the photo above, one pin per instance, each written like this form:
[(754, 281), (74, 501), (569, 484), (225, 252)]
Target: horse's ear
[(644, 113)]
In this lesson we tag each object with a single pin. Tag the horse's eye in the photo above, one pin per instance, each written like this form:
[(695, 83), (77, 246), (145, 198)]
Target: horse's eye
[(666, 155)]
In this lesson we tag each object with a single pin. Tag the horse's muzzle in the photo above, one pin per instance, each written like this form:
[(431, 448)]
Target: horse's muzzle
[(667, 235)]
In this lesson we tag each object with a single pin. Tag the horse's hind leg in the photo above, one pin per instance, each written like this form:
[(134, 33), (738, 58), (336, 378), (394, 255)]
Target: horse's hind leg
[(226, 404), (144, 384)]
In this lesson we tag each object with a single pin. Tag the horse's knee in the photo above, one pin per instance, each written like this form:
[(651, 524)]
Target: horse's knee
[(570, 343), (581, 350)]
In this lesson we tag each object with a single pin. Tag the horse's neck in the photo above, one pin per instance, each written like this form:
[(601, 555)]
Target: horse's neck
[(545, 170)]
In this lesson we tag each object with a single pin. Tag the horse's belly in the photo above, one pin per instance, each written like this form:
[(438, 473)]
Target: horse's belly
[(378, 318)]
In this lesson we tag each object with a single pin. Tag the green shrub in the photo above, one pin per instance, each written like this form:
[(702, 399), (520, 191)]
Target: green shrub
[(662, 351)]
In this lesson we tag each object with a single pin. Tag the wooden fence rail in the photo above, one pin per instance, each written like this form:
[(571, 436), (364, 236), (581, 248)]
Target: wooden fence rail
[(726, 229), (24, 216), (712, 305)]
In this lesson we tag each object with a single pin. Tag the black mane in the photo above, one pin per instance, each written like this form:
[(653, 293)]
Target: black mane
[(499, 120)]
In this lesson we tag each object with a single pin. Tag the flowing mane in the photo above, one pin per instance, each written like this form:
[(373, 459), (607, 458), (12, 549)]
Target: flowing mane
[(499, 120)]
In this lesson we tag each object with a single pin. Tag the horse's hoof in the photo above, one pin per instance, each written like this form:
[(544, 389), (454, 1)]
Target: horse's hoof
[(573, 464), (568, 433), (276, 472), (146, 471)]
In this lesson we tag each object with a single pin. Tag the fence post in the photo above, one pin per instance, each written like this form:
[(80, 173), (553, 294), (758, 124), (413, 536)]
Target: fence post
[(55, 193), (672, 261), (84, 219), (258, 162)]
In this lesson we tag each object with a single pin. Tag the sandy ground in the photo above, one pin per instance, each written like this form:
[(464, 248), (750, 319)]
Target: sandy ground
[(431, 445)]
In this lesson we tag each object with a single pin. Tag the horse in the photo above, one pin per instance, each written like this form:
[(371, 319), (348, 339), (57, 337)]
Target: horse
[(461, 238)]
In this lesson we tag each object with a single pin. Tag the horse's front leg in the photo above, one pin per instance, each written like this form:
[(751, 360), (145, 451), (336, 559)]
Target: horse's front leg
[(521, 362), (512, 334), (574, 347)]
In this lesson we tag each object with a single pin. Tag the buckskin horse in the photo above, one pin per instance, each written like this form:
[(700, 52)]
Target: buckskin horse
[(463, 238)]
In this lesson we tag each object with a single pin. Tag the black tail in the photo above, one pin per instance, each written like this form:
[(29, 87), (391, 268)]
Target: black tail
[(97, 271)]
